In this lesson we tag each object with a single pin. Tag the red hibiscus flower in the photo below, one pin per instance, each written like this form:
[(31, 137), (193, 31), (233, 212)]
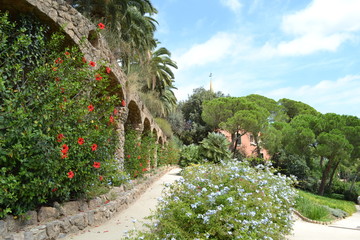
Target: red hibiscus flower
[(91, 63), (81, 141), (67, 53), (98, 77), (108, 70), (128, 156), (101, 178), (94, 147), (91, 108), (101, 26), (64, 148), (60, 137), (96, 164), (111, 118), (70, 174), (123, 103), (138, 157), (144, 169), (59, 61)]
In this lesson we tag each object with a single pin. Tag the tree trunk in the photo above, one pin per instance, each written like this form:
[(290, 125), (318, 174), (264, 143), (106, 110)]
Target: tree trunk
[(332, 176), (324, 177), (258, 153), (353, 181)]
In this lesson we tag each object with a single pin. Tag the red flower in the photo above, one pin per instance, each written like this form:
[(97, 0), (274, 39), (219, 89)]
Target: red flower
[(70, 174), (108, 70), (123, 103), (59, 60), (91, 108), (91, 63), (84, 60), (98, 76), (64, 156), (115, 111), (94, 147), (81, 141), (101, 26), (64, 148), (128, 156), (67, 53), (140, 164), (101, 178), (111, 119), (96, 165), (60, 137), (54, 189), (144, 169), (138, 157)]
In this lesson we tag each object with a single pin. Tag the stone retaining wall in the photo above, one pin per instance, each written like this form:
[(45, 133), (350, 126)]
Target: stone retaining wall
[(59, 220)]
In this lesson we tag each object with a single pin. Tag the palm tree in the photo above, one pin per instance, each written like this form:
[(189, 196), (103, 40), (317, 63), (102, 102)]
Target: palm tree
[(161, 73)]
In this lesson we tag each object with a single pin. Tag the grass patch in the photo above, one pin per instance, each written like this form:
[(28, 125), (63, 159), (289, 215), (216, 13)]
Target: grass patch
[(322, 208)]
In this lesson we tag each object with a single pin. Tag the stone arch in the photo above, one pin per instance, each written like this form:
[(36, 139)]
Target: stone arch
[(134, 117), (160, 141), (155, 134), (147, 127)]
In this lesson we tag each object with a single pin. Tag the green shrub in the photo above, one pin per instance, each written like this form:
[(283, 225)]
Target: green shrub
[(58, 136), (215, 147), (139, 153), (230, 200), (313, 211), (169, 154), (321, 208), (190, 155), (165, 126)]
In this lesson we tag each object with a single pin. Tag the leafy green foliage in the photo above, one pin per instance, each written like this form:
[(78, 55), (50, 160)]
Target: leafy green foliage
[(165, 126), (195, 128), (224, 201), (58, 136), (190, 154), (169, 154), (215, 148), (140, 153), (317, 207)]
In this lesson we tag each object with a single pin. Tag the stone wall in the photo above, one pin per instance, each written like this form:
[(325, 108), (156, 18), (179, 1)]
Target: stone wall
[(60, 220)]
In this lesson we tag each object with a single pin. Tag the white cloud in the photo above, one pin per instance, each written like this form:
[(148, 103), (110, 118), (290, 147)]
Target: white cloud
[(213, 50), (340, 96), (322, 25), (234, 5)]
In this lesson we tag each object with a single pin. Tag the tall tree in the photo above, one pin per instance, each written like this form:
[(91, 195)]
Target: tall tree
[(195, 128)]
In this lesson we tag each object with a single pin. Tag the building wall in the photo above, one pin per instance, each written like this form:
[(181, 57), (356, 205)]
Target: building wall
[(247, 147)]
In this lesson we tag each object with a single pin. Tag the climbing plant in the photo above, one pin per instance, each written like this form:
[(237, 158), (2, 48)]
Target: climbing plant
[(57, 119)]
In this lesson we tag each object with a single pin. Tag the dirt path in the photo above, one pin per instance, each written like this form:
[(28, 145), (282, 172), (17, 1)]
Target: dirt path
[(131, 217), (346, 229)]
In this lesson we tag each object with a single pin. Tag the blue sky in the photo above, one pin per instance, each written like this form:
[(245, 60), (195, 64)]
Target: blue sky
[(305, 50)]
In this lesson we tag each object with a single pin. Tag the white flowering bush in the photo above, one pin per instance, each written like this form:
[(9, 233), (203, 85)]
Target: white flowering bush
[(230, 200)]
